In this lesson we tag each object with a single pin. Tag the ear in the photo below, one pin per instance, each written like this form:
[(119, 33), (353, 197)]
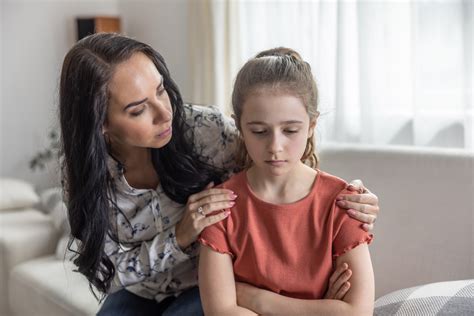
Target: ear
[(235, 121), (105, 127), (312, 126)]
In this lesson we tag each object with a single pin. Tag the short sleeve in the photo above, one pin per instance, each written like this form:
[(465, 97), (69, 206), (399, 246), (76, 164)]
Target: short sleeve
[(214, 136), (215, 237), (347, 232)]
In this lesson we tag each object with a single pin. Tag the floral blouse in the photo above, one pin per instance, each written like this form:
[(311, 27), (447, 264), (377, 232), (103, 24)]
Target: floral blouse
[(147, 258)]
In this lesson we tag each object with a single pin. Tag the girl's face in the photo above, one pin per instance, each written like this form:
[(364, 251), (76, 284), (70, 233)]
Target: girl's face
[(275, 128), (139, 112)]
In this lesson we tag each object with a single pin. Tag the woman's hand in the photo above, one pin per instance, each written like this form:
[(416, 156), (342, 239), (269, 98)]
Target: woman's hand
[(196, 217), (339, 283), (363, 207)]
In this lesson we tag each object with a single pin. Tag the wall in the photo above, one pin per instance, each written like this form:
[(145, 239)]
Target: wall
[(35, 35), (164, 25)]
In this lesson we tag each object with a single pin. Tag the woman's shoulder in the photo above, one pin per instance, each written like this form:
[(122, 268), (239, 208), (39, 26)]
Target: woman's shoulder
[(202, 114), (213, 134)]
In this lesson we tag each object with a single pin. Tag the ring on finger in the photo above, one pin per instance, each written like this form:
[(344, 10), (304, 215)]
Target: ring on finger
[(200, 210)]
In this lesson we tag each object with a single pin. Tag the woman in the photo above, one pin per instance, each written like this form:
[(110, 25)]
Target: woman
[(139, 168)]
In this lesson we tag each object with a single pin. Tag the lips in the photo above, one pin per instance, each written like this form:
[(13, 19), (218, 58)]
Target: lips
[(275, 163), (165, 132)]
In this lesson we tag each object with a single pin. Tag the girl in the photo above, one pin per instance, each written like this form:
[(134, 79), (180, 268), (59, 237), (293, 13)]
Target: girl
[(285, 231), (137, 167)]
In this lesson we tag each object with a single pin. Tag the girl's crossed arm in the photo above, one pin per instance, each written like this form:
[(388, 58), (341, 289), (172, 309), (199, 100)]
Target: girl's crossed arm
[(358, 301), (217, 284)]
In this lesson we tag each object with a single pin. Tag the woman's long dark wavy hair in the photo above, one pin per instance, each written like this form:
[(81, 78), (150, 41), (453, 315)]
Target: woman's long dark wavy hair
[(88, 187)]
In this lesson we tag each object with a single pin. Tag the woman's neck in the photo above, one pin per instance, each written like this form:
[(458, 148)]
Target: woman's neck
[(139, 170), (282, 189)]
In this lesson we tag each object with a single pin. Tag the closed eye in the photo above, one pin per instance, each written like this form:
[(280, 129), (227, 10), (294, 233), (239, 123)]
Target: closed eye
[(138, 113)]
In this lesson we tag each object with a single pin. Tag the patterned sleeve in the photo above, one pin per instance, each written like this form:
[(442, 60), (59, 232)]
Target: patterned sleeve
[(215, 136), (144, 260), (347, 232)]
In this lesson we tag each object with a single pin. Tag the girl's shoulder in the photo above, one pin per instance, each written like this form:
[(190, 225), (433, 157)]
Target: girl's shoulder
[(331, 184), (236, 181)]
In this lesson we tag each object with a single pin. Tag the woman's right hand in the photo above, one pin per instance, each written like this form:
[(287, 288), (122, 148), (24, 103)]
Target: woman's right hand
[(196, 216)]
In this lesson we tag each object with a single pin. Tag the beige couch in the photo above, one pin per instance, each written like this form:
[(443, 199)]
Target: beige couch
[(423, 235)]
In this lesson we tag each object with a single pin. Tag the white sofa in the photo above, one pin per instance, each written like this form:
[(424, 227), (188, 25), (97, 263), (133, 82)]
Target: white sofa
[(34, 277), (424, 233)]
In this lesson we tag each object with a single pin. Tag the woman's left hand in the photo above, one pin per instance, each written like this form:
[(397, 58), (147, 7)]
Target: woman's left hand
[(363, 207)]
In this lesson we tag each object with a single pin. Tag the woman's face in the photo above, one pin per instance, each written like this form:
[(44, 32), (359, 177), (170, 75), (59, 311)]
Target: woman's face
[(139, 112)]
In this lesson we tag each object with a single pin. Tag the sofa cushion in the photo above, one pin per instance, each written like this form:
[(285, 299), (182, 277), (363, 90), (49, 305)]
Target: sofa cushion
[(23, 236), (51, 288), (16, 194), (442, 298)]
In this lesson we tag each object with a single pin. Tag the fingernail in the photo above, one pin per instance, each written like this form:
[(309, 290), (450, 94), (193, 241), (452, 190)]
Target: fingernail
[(232, 203), (341, 203), (226, 213), (339, 198), (233, 196)]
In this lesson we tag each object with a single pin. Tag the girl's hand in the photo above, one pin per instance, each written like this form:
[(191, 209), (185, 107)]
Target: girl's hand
[(196, 217), (339, 283), (364, 206), (248, 296)]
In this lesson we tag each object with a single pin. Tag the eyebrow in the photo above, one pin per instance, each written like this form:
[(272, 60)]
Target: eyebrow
[(283, 122), (141, 101), (134, 104)]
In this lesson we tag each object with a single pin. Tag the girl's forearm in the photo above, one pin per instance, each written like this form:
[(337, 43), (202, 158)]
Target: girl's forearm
[(235, 310), (274, 304)]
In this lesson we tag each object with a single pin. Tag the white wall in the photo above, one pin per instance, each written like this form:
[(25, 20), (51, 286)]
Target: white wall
[(35, 35), (163, 24)]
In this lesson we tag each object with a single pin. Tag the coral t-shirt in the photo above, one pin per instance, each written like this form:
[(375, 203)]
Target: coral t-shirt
[(288, 249)]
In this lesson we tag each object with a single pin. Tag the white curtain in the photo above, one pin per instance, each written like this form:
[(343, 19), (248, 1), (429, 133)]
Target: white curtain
[(389, 72), (214, 50)]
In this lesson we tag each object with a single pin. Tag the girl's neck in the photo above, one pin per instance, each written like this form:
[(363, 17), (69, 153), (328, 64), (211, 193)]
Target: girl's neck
[(282, 189)]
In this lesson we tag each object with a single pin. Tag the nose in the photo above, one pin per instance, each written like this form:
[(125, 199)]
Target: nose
[(275, 144), (161, 112)]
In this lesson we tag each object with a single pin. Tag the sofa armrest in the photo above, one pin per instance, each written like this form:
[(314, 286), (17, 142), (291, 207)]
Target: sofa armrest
[(24, 235)]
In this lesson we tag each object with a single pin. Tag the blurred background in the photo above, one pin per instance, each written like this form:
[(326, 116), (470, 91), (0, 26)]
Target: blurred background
[(389, 72), (396, 99)]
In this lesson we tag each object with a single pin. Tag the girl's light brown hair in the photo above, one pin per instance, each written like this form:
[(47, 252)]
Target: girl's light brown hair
[(280, 69)]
